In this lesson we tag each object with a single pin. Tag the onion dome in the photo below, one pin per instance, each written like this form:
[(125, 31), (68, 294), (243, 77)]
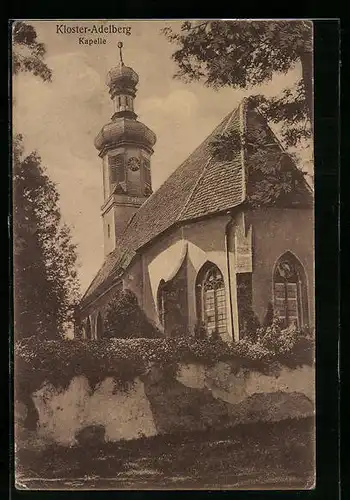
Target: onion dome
[(122, 79), (125, 130), (124, 127)]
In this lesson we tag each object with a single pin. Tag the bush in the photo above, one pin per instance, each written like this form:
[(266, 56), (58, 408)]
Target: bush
[(249, 324), (269, 315), (59, 361), (176, 332), (125, 319), (275, 343), (200, 331)]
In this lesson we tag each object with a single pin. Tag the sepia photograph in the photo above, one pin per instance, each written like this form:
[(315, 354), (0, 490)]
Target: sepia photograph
[(163, 254)]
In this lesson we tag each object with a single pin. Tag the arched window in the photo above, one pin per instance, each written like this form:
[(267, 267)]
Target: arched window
[(290, 292), (99, 327), (88, 329), (211, 300)]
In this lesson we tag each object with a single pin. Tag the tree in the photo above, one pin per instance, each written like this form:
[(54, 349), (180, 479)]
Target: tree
[(272, 176), (45, 279), (28, 54), (125, 318), (244, 54)]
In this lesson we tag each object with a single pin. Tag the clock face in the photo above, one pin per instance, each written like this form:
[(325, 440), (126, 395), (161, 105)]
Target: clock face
[(134, 164)]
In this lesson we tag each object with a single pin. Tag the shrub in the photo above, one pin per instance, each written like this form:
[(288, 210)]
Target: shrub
[(59, 361), (249, 324), (126, 319), (200, 330), (176, 332), (269, 315), (275, 343)]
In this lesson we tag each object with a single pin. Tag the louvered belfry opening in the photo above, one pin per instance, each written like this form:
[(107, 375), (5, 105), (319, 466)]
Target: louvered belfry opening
[(117, 168)]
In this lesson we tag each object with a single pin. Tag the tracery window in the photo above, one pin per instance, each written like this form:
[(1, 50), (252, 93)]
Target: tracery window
[(211, 299), (290, 293)]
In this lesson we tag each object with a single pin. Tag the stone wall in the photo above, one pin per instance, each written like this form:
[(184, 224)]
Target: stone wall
[(197, 398)]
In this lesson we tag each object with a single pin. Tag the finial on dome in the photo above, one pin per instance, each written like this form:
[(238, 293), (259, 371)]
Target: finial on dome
[(120, 46)]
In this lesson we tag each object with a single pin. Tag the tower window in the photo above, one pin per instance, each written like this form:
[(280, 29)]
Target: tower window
[(119, 101), (147, 174), (117, 169), (109, 231)]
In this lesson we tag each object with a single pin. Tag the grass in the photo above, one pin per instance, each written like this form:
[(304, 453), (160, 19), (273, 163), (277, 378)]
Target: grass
[(265, 455)]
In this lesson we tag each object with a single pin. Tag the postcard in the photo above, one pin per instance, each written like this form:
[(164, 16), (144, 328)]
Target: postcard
[(163, 254)]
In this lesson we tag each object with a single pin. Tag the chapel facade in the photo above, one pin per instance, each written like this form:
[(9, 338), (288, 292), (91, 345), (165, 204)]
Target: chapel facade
[(196, 251)]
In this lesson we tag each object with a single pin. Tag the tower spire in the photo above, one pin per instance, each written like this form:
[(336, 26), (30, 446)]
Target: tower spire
[(126, 147), (120, 46)]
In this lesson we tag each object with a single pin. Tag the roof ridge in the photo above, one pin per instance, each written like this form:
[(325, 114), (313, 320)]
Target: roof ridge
[(200, 145), (282, 148), (193, 190), (229, 117), (243, 127)]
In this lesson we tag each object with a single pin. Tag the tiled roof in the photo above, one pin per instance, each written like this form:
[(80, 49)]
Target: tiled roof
[(200, 186)]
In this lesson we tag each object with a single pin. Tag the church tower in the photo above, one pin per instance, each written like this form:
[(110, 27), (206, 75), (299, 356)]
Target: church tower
[(125, 147)]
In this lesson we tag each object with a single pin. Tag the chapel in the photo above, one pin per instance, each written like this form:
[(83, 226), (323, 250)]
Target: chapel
[(203, 248)]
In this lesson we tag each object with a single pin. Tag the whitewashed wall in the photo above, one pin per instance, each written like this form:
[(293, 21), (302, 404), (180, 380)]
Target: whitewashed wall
[(128, 414), (125, 415)]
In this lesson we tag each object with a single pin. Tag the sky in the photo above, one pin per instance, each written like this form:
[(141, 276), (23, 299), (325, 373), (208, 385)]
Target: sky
[(61, 119)]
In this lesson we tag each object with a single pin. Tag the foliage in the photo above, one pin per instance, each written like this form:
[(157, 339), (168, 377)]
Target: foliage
[(276, 343), (28, 53), (249, 323), (200, 331), (245, 54), (124, 359), (45, 279), (126, 319), (58, 361), (272, 175), (177, 331), (268, 319)]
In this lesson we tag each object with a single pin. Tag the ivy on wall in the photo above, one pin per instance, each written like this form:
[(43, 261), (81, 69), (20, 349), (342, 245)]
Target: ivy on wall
[(58, 362)]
